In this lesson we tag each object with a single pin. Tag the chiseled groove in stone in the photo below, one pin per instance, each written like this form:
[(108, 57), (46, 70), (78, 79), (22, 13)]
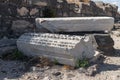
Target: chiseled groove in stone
[(70, 40), (40, 51)]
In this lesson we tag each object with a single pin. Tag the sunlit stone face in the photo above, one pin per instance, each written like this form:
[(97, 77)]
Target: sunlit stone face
[(74, 24), (52, 40), (64, 48)]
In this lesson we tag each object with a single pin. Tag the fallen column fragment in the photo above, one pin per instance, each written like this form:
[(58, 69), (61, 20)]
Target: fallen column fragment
[(76, 24), (65, 49)]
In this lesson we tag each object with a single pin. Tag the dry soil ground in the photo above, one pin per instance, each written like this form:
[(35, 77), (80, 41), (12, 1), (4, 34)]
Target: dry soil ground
[(108, 70)]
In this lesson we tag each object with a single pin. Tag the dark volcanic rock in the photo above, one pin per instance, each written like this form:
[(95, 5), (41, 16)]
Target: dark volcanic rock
[(105, 44), (7, 45)]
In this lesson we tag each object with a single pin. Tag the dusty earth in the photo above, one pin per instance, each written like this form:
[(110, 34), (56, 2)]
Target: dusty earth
[(109, 69)]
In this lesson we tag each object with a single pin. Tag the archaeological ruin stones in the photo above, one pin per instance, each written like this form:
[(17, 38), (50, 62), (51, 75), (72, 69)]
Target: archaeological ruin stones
[(74, 24), (65, 49)]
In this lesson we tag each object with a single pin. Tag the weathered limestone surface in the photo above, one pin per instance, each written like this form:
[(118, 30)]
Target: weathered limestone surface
[(73, 24), (65, 49)]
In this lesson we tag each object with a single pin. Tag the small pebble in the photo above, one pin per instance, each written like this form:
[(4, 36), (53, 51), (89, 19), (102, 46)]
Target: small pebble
[(56, 73), (33, 69), (81, 70)]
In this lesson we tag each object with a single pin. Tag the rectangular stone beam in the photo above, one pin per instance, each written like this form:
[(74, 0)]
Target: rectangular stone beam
[(66, 49), (76, 24)]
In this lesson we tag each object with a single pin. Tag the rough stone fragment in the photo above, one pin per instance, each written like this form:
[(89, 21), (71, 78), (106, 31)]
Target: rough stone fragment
[(105, 43), (34, 11), (20, 25), (73, 24), (7, 45), (23, 11), (64, 49)]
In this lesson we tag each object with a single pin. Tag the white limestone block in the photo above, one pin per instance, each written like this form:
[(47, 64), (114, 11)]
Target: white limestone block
[(72, 24), (65, 49)]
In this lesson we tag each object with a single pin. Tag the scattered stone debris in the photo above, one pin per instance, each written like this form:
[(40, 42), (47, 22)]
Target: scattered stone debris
[(92, 70), (56, 73), (41, 68)]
